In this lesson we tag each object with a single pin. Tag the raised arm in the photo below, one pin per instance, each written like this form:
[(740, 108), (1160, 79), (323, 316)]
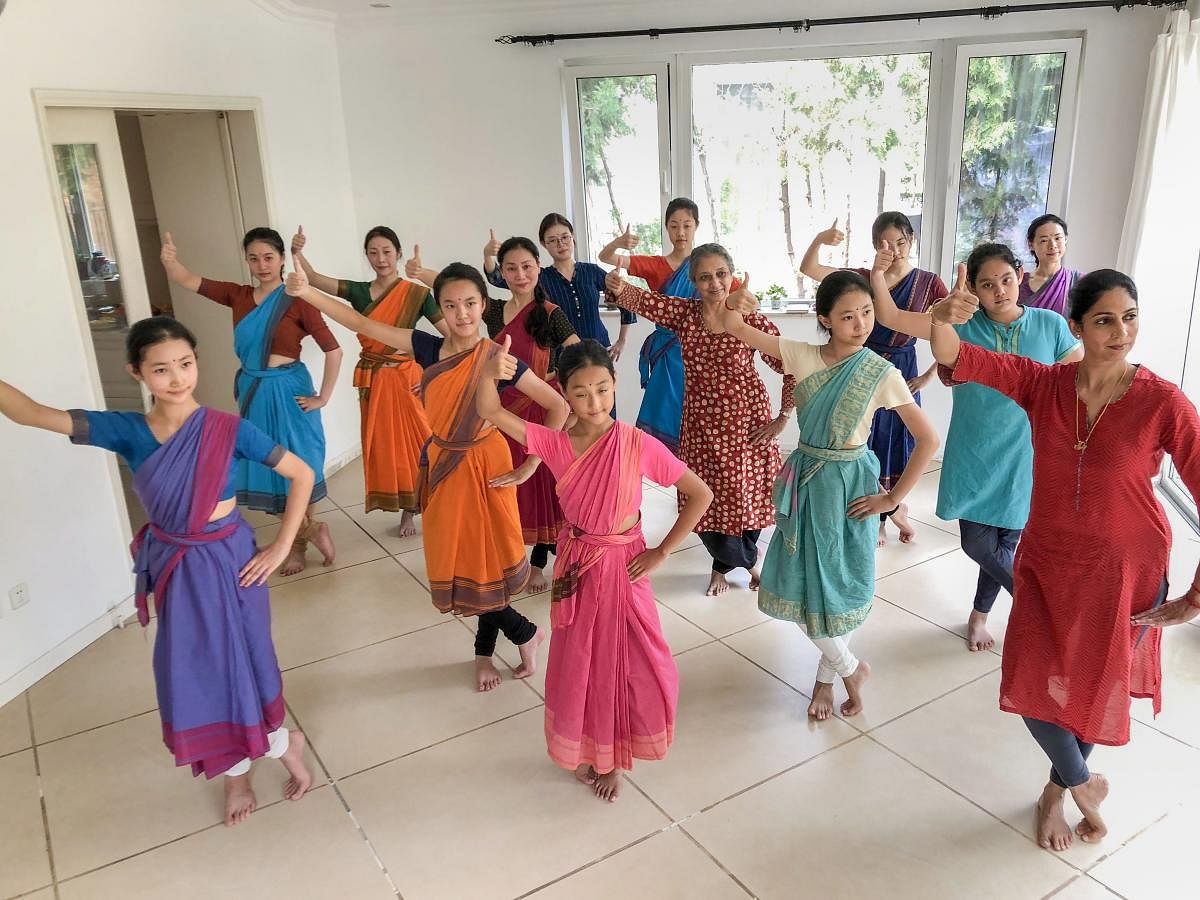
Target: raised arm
[(738, 305), (810, 264), (956, 309), (416, 270), (491, 250), (886, 310), (177, 271), (626, 240), (297, 286), (670, 312), (315, 278), (23, 410), (501, 367)]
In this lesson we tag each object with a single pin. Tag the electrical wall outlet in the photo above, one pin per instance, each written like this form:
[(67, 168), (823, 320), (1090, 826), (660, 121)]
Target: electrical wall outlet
[(18, 596)]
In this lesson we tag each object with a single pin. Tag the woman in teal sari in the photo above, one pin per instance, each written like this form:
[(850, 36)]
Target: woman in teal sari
[(273, 388), (819, 570)]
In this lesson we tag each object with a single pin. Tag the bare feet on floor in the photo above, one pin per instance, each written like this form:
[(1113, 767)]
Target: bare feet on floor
[(323, 541), (821, 707), (294, 562), (1052, 829), (529, 655), (586, 775), (854, 682), (537, 582), (293, 761), (407, 527), (487, 677), (717, 585), (608, 786), (1088, 797), (900, 517), (978, 637), (239, 799), (755, 578)]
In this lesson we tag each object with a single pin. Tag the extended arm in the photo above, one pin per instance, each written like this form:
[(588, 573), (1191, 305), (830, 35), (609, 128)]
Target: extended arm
[(400, 338), (315, 278), (23, 410), (810, 264), (176, 270)]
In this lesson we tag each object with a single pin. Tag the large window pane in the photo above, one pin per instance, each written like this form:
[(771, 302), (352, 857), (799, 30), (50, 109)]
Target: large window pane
[(1009, 126), (618, 122), (781, 149)]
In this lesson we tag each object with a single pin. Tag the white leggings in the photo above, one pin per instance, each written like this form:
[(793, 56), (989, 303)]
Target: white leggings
[(836, 658), (278, 746)]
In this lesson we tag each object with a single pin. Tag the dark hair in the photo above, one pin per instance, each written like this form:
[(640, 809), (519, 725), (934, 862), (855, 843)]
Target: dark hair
[(384, 232), (886, 220), (985, 252), (145, 333), (705, 250), (267, 236), (537, 323), (1090, 287), (682, 203), (833, 288), (459, 271), (550, 221), (581, 355), (1038, 223)]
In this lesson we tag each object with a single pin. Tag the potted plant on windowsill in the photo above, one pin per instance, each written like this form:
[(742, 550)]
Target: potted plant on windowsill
[(774, 297)]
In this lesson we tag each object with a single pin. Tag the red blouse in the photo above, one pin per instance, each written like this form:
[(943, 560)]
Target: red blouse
[(301, 319)]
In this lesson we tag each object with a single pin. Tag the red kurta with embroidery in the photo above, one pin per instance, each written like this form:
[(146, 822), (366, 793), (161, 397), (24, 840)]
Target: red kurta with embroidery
[(1096, 548), (724, 400)]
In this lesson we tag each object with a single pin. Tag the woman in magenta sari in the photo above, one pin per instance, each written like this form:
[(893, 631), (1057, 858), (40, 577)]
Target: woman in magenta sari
[(220, 693), (1049, 284), (611, 682)]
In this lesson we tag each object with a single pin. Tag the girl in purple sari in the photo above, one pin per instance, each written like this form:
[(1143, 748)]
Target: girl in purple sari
[(220, 694), (1050, 283)]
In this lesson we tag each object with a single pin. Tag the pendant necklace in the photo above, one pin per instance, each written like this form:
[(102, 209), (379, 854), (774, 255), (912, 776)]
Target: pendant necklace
[(1081, 444)]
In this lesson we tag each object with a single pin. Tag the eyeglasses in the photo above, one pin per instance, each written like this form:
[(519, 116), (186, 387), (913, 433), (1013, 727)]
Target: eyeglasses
[(560, 241)]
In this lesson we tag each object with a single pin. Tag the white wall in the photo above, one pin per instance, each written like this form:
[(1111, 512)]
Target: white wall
[(59, 521)]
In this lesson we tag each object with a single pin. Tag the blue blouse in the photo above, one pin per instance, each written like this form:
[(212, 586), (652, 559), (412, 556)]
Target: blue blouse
[(578, 298)]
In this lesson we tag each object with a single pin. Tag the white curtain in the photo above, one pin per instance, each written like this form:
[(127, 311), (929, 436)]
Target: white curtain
[(1160, 242)]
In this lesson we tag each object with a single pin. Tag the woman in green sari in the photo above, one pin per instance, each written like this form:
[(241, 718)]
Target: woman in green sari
[(819, 570)]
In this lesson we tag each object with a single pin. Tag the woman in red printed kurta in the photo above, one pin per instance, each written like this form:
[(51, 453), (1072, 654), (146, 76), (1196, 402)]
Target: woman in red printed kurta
[(729, 437), (1078, 646)]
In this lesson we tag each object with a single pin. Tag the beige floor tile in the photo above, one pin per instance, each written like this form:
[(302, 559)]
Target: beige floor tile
[(964, 741), (46, 893), (911, 661), (922, 505), (375, 704), (860, 822), (660, 509), (111, 679), (1181, 687), (736, 725), (24, 862), (318, 617), (668, 866), (352, 544), (310, 848), (14, 725), (259, 519), (347, 486), (494, 799), (1158, 864), (943, 592), (382, 526), (895, 556), (680, 585), (414, 563), (1084, 888)]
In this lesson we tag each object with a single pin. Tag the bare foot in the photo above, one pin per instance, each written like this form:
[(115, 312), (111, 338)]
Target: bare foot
[(294, 563), (529, 655), (854, 682), (293, 761), (755, 578), (1052, 829), (537, 581), (407, 527), (586, 774), (323, 541), (239, 799), (1088, 797), (717, 585), (487, 676), (978, 637), (900, 517), (608, 786), (882, 541), (821, 707)]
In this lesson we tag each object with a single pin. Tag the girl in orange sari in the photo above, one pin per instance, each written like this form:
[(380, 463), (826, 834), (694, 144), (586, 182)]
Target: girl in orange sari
[(611, 682), (474, 554), (394, 427)]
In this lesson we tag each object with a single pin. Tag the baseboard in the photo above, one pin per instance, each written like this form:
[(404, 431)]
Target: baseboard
[(335, 465)]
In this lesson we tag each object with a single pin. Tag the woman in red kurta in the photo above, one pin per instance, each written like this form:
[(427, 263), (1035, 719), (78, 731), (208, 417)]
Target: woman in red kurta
[(729, 437), (1078, 646)]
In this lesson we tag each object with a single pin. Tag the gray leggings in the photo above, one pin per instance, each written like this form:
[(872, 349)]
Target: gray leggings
[(992, 548), (1068, 754)]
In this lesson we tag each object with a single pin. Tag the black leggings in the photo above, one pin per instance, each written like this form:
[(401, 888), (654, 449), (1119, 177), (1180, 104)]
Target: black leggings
[(541, 555), (515, 626), (731, 551)]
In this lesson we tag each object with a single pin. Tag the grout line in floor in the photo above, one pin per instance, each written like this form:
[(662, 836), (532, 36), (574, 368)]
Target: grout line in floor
[(720, 865), (37, 771), (594, 862)]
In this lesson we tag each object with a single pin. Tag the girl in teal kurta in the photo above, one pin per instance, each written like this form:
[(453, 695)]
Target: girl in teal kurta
[(987, 468)]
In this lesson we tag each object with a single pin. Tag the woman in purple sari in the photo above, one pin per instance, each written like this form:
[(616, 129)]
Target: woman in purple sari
[(220, 694), (1050, 283)]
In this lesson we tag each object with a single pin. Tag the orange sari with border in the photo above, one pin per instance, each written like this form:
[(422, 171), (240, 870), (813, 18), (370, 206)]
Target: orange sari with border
[(474, 554)]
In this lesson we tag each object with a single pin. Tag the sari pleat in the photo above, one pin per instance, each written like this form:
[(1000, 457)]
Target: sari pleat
[(660, 365)]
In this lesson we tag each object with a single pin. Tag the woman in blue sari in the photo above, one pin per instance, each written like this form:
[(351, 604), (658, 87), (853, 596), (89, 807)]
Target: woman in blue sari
[(820, 567), (915, 290), (273, 388), (660, 362)]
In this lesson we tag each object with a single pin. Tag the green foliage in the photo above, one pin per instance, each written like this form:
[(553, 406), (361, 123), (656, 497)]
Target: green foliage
[(649, 237), (603, 115), (727, 208), (773, 297)]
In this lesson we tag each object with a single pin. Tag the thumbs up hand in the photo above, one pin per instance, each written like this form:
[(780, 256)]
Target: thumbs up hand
[(297, 283), (614, 282), (885, 256), (742, 301), (298, 240), (832, 236), (627, 239), (959, 306), (492, 248), (503, 365), (413, 268), (168, 254)]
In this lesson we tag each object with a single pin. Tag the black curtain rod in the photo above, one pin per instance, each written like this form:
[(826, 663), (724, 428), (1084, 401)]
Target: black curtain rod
[(797, 25)]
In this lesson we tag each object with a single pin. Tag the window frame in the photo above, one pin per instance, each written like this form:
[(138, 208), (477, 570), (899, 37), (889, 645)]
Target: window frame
[(1169, 483)]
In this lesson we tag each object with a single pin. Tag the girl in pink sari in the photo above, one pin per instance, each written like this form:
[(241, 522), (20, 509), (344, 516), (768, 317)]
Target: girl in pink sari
[(611, 682)]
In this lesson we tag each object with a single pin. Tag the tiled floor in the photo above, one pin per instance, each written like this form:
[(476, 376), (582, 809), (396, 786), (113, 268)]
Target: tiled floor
[(426, 789)]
